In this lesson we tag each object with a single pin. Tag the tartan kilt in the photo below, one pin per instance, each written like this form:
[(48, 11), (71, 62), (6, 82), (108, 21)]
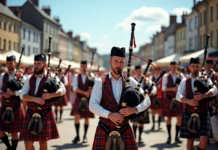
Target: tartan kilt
[(63, 101), (142, 118), (101, 138), (83, 114), (152, 106), (16, 125), (48, 132), (204, 128), (166, 111)]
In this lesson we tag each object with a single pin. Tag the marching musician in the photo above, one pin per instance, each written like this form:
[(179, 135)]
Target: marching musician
[(106, 102), (140, 121), (185, 94), (81, 87), (32, 93), (14, 102), (63, 100), (170, 107)]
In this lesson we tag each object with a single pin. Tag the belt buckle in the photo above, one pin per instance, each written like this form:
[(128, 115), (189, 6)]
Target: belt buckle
[(9, 108), (36, 115), (83, 98)]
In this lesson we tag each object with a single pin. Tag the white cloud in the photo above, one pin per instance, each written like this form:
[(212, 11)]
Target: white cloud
[(103, 44), (153, 28), (85, 36), (143, 16)]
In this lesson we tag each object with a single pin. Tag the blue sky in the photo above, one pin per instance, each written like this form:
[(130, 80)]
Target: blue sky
[(104, 24)]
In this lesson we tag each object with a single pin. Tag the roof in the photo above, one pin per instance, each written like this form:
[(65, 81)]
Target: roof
[(44, 14), (6, 11), (30, 26)]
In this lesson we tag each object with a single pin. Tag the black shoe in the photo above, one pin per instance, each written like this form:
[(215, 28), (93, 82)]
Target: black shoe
[(76, 140), (60, 120), (141, 141), (84, 140), (169, 140), (152, 128), (177, 140)]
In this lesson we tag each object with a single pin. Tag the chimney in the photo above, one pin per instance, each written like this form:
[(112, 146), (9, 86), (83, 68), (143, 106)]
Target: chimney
[(57, 19), (35, 2), (4, 2), (172, 19), (70, 33), (77, 38), (163, 28), (194, 2), (47, 9), (183, 17)]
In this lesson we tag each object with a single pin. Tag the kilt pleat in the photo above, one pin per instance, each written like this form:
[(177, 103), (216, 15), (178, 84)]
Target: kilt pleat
[(101, 138), (166, 111), (63, 101), (204, 128), (16, 125), (83, 114), (49, 131)]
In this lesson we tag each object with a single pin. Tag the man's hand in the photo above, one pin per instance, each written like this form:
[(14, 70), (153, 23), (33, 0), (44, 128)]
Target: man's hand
[(47, 96), (192, 102), (87, 94), (39, 101), (198, 96), (127, 111), (116, 118), (6, 95), (10, 92)]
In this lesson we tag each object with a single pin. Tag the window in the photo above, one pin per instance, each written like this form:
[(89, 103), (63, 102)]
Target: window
[(15, 46), (28, 50), (190, 43), (217, 11), (211, 38), (200, 41), (190, 25), (9, 45), (24, 33), (204, 40), (196, 42), (196, 22), (200, 19), (29, 35), (0, 43), (0, 22), (5, 24), (205, 17), (4, 44), (211, 13), (9, 26)]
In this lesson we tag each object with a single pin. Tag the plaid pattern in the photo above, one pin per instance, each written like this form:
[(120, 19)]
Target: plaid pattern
[(204, 128), (152, 106), (50, 130), (63, 101), (101, 137), (16, 125), (143, 118), (75, 110), (166, 111)]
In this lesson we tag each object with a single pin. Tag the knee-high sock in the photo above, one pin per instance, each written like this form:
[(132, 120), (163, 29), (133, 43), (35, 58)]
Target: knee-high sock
[(177, 131), (14, 144), (134, 130), (86, 126), (61, 112), (77, 129), (159, 121), (153, 120), (140, 131), (56, 114), (6, 141), (169, 130)]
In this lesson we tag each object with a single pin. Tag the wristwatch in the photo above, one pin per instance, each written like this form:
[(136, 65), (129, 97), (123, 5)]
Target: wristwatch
[(136, 111)]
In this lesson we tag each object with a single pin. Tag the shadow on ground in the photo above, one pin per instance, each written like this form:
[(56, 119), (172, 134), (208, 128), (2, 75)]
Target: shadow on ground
[(162, 146), (70, 145)]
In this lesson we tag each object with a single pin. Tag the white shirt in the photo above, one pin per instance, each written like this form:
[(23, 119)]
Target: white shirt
[(11, 76), (26, 87), (75, 81), (94, 104), (181, 89), (165, 78), (64, 79), (149, 82)]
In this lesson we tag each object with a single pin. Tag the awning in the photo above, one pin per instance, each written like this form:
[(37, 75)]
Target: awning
[(200, 54), (166, 60), (2, 59)]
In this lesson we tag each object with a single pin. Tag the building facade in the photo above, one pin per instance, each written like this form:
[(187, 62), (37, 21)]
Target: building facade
[(63, 45)]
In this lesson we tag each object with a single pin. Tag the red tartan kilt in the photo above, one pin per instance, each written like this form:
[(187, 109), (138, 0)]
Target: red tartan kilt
[(152, 106), (63, 102), (166, 111), (101, 138), (83, 114), (16, 125), (49, 131)]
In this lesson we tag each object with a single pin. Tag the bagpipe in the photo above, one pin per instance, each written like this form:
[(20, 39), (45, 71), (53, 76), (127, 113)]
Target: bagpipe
[(14, 85), (35, 125), (200, 86)]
